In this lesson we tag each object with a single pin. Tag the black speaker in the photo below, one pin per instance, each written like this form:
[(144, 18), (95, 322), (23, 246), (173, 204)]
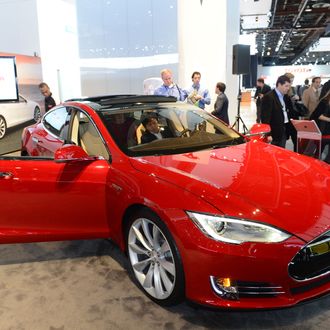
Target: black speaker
[(241, 59)]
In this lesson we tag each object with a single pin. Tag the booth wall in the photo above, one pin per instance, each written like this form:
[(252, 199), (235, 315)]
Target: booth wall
[(121, 43), (19, 27), (301, 72)]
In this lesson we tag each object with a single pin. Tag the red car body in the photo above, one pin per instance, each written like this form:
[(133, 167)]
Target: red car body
[(45, 199)]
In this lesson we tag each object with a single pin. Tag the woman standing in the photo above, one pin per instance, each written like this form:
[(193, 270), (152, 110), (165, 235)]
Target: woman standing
[(321, 115), (221, 104)]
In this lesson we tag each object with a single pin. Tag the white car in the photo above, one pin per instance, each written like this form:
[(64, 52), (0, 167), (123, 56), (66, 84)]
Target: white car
[(15, 113)]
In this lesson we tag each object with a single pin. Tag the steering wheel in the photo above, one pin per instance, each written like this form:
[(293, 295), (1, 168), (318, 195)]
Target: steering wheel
[(184, 132)]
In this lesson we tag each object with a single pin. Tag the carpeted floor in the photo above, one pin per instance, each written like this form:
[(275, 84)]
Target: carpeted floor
[(84, 285)]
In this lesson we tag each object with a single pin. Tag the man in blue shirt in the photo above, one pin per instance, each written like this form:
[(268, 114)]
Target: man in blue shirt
[(197, 94), (169, 88)]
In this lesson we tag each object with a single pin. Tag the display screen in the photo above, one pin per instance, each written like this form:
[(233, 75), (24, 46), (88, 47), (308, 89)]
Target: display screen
[(8, 79)]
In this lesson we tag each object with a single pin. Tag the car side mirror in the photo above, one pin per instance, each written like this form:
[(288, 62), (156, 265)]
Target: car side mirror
[(71, 152), (258, 132)]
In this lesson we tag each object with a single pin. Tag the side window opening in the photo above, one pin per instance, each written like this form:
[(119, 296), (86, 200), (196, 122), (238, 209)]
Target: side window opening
[(85, 135), (57, 122)]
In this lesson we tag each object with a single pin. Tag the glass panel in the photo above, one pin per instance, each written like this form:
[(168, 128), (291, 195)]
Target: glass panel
[(170, 129), (55, 120)]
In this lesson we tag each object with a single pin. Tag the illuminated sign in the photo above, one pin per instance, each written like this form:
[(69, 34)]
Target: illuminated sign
[(8, 79)]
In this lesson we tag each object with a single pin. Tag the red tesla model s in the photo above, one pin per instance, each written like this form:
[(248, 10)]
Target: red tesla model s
[(201, 211)]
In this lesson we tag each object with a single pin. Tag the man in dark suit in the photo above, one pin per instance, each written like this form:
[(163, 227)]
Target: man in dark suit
[(153, 131), (261, 90), (275, 111)]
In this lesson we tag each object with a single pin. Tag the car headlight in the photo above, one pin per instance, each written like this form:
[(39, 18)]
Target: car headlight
[(236, 231)]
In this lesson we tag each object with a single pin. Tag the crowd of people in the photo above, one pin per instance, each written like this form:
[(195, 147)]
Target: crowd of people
[(195, 94), (275, 107), (284, 102)]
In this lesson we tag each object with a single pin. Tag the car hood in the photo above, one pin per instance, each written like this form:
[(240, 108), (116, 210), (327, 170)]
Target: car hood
[(255, 181)]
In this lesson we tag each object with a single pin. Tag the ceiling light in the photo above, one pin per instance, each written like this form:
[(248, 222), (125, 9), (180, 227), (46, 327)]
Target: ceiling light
[(321, 5)]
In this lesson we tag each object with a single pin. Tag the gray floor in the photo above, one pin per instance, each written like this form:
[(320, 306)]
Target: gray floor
[(84, 285), (13, 138)]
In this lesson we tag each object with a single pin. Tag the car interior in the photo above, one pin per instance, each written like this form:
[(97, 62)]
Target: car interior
[(84, 134)]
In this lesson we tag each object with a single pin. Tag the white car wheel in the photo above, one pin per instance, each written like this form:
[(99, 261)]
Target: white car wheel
[(37, 114), (3, 127), (154, 259)]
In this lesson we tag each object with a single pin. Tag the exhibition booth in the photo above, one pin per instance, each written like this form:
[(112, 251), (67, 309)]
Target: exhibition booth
[(151, 206)]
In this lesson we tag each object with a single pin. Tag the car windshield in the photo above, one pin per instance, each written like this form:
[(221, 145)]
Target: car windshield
[(166, 129)]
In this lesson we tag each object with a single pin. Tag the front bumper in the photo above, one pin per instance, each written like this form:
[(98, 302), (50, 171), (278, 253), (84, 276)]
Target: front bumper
[(260, 271)]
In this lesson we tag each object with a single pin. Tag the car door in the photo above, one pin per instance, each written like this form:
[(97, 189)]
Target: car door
[(17, 112), (24, 110), (42, 199)]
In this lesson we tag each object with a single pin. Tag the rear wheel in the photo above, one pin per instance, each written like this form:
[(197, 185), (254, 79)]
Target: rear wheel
[(3, 127), (37, 114), (154, 258)]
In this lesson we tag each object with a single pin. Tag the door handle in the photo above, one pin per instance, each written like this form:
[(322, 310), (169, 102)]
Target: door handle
[(6, 175), (34, 139)]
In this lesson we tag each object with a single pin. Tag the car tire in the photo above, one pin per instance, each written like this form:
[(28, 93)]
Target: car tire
[(3, 127), (36, 114), (154, 259), (24, 153)]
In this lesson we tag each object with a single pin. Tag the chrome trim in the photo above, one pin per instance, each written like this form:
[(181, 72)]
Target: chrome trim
[(215, 286), (6, 175), (310, 278), (321, 242), (89, 117), (277, 289), (305, 246), (260, 287), (256, 134), (261, 292)]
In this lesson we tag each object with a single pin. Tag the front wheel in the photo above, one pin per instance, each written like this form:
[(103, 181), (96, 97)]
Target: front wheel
[(3, 127), (154, 258)]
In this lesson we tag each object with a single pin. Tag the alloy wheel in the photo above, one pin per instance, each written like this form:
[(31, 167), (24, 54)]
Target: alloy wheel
[(37, 114), (3, 127), (151, 258)]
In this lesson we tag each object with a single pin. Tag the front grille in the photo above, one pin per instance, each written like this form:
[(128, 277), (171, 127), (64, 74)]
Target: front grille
[(311, 286), (258, 289), (313, 260)]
